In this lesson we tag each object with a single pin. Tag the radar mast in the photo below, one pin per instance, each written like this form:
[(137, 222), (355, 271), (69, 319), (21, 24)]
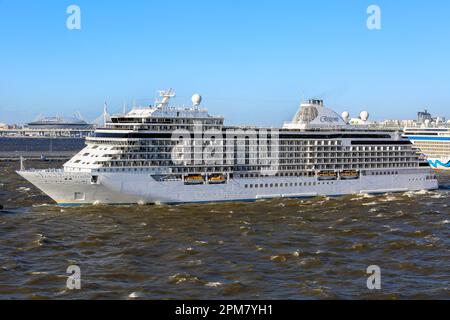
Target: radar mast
[(165, 97)]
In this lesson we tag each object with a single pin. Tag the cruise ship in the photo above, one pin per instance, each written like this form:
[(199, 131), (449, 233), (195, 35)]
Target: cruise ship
[(165, 154), (433, 143)]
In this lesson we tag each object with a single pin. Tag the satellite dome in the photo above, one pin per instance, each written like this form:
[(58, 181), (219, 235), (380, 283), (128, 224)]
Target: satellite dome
[(196, 99), (345, 115), (364, 115)]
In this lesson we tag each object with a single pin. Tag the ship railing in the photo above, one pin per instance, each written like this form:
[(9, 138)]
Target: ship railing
[(348, 127), (44, 170)]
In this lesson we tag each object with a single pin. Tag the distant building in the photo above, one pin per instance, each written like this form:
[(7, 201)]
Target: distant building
[(58, 123), (422, 116), (57, 127), (426, 118)]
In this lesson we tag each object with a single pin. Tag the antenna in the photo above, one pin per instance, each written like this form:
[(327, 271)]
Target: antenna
[(22, 166), (105, 113), (39, 117), (166, 96), (79, 116), (104, 117)]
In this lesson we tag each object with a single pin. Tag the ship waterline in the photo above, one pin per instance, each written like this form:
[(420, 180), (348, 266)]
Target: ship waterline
[(149, 156)]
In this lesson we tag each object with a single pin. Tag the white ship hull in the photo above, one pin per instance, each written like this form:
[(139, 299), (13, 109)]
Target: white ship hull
[(68, 188)]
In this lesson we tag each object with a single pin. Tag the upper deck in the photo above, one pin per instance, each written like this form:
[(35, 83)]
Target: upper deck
[(161, 119), (316, 139)]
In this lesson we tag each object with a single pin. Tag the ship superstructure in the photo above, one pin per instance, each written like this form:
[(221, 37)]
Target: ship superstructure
[(162, 154)]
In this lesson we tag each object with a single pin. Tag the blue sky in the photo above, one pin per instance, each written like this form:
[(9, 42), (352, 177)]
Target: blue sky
[(253, 61)]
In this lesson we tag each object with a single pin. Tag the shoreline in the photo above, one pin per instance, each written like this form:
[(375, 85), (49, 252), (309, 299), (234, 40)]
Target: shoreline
[(37, 156)]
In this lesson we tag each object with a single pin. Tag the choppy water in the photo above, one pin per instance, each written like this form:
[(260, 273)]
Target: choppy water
[(289, 249)]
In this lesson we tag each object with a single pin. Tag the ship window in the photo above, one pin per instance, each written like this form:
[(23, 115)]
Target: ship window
[(79, 196)]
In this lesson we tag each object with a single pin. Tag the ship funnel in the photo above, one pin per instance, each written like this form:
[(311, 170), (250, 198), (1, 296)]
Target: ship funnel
[(315, 102)]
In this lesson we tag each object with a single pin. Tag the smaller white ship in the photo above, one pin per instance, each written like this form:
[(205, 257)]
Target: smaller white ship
[(432, 137), (434, 144)]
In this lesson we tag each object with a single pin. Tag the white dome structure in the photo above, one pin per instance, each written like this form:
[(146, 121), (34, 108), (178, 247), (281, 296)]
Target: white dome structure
[(345, 116), (364, 115), (196, 99)]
